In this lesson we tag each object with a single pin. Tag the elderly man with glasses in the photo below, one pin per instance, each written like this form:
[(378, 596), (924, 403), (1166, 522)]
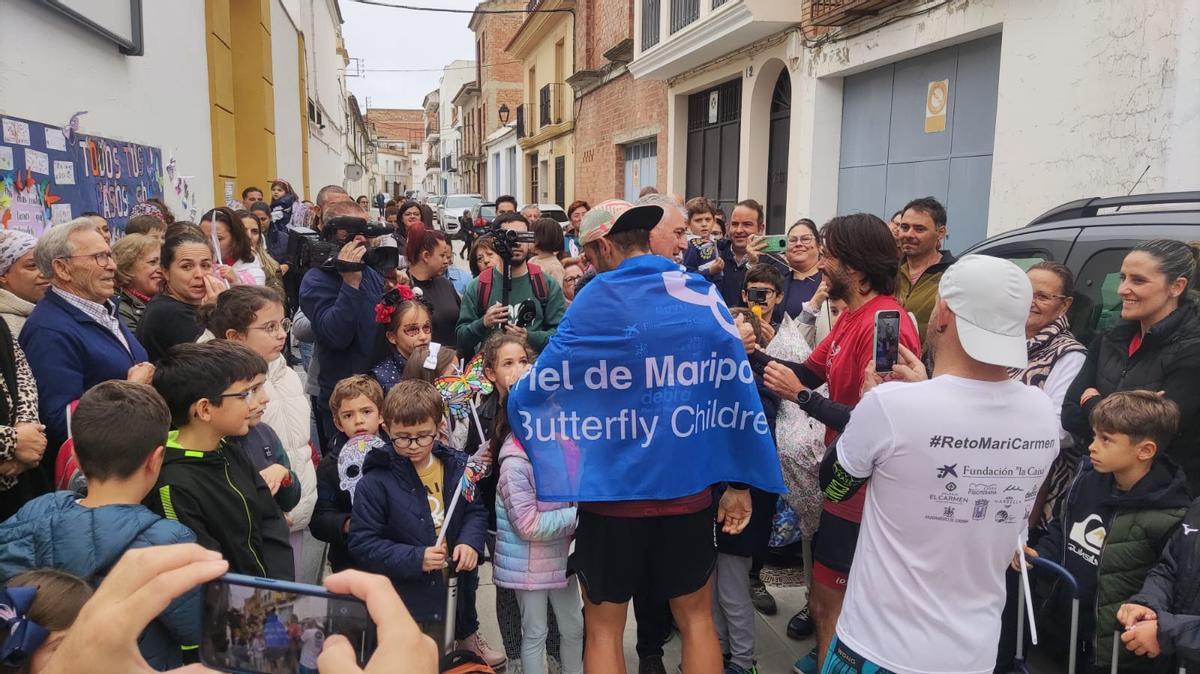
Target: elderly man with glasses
[(74, 338)]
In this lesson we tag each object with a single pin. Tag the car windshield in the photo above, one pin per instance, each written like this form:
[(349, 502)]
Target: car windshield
[(453, 202), (559, 216), (487, 211)]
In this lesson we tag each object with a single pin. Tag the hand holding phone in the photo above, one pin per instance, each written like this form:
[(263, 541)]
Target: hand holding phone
[(775, 243), (402, 639), (887, 340)]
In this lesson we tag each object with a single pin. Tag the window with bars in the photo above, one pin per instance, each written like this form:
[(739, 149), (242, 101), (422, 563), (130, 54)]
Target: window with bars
[(683, 12), (718, 3), (544, 106), (651, 14)]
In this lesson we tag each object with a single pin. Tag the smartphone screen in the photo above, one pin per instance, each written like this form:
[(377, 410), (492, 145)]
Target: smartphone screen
[(262, 626), (887, 340)]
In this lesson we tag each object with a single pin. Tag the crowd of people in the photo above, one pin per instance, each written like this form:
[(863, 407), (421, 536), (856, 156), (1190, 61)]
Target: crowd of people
[(232, 383)]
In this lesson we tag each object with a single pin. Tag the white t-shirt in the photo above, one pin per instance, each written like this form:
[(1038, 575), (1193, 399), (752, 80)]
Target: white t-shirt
[(955, 465)]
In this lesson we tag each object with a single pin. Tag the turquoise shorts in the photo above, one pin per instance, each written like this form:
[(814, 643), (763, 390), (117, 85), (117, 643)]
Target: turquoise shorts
[(842, 660)]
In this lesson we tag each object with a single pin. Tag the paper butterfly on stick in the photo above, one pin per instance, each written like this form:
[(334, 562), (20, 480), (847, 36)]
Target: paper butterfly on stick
[(458, 389), (350, 460), (72, 126), (472, 474)]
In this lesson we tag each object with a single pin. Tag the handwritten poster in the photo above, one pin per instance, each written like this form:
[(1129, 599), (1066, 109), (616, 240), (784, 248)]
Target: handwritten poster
[(16, 132), (38, 162), (49, 179), (55, 140), (64, 173)]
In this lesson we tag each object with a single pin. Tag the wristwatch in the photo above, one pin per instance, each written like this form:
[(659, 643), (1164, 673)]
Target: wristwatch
[(803, 397)]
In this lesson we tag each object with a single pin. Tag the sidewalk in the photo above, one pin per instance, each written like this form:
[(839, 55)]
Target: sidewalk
[(776, 652)]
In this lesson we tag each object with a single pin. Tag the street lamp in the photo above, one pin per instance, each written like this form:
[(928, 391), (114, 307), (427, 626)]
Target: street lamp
[(504, 113)]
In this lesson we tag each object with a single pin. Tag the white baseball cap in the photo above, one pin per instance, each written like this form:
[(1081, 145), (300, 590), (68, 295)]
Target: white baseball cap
[(990, 298)]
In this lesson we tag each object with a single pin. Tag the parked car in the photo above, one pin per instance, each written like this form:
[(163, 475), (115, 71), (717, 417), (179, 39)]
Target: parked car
[(482, 215), (552, 211), (451, 209), (1091, 236)]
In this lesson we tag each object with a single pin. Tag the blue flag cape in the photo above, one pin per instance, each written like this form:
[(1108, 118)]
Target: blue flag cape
[(644, 392)]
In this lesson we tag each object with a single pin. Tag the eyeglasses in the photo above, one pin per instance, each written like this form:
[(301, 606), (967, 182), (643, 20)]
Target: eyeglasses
[(1046, 298), (406, 441), (281, 328), (243, 395), (414, 330), (807, 239), (103, 259)]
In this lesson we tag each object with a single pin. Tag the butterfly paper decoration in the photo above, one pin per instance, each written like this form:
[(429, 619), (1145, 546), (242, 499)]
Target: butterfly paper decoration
[(350, 460), (458, 389)]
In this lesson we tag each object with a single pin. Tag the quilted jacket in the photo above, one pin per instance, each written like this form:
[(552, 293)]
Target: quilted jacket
[(533, 538), (54, 531), (288, 415)]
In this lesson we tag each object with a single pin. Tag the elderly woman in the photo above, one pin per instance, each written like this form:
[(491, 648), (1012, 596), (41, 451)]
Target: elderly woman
[(139, 275), (1055, 358), (21, 284)]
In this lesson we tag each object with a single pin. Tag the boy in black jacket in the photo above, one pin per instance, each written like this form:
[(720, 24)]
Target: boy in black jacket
[(1118, 513), (215, 390), (355, 404)]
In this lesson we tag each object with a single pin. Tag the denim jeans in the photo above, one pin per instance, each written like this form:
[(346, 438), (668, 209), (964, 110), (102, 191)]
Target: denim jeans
[(466, 619), (568, 609)]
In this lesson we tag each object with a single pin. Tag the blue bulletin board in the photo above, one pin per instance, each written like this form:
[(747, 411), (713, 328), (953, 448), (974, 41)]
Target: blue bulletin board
[(48, 176)]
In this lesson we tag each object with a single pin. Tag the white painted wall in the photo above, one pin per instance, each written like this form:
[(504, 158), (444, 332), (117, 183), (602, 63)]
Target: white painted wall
[(1090, 94), (53, 68), (285, 73), (454, 76), (326, 87), (501, 142)]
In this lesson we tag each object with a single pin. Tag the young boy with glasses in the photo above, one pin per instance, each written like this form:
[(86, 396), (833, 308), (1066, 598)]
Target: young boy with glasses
[(207, 483), (400, 509)]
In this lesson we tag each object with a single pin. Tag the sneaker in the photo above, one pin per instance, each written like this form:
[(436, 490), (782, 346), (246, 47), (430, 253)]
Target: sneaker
[(801, 625), (731, 668), (806, 664), (477, 645), (651, 665), (764, 603)]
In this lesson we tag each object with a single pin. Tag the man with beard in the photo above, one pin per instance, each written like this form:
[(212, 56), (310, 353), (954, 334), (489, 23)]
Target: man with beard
[(920, 233), (859, 264), (479, 316)]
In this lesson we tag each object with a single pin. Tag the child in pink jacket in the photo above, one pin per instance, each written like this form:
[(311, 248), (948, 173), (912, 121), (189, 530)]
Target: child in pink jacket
[(533, 540)]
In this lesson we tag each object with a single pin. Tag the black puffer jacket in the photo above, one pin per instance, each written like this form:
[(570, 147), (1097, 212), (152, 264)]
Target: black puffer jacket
[(1168, 360)]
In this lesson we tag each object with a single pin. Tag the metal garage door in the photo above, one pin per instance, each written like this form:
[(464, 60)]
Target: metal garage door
[(923, 127)]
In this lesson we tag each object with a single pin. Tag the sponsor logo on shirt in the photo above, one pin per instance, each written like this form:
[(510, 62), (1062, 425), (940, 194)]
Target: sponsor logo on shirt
[(981, 508), (947, 471), (982, 489)]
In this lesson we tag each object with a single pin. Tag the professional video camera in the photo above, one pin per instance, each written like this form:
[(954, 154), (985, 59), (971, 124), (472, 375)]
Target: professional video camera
[(307, 251), (505, 239)]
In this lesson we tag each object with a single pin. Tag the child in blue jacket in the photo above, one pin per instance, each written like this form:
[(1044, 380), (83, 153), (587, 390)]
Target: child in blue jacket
[(400, 508)]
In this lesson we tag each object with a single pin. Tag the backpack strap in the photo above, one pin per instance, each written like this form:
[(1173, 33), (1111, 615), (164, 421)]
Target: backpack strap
[(538, 280), (485, 290)]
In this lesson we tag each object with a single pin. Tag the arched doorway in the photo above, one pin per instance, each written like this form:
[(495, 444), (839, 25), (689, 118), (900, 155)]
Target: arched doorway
[(777, 155)]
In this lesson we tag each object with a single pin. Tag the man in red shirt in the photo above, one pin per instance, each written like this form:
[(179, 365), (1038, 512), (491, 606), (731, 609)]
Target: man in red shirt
[(858, 260)]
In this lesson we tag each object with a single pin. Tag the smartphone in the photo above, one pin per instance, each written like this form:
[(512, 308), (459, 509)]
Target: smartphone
[(776, 243), (260, 626), (887, 340)]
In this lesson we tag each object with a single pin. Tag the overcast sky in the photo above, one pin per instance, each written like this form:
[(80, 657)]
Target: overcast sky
[(403, 39)]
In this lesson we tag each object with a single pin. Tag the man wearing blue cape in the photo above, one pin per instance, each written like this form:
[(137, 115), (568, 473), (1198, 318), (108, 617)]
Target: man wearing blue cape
[(639, 405)]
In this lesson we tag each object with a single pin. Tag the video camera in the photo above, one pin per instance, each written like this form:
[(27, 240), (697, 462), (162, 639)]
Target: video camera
[(505, 239), (307, 251)]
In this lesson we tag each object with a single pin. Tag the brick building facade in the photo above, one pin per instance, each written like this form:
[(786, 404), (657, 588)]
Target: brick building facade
[(620, 131), (500, 85)]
